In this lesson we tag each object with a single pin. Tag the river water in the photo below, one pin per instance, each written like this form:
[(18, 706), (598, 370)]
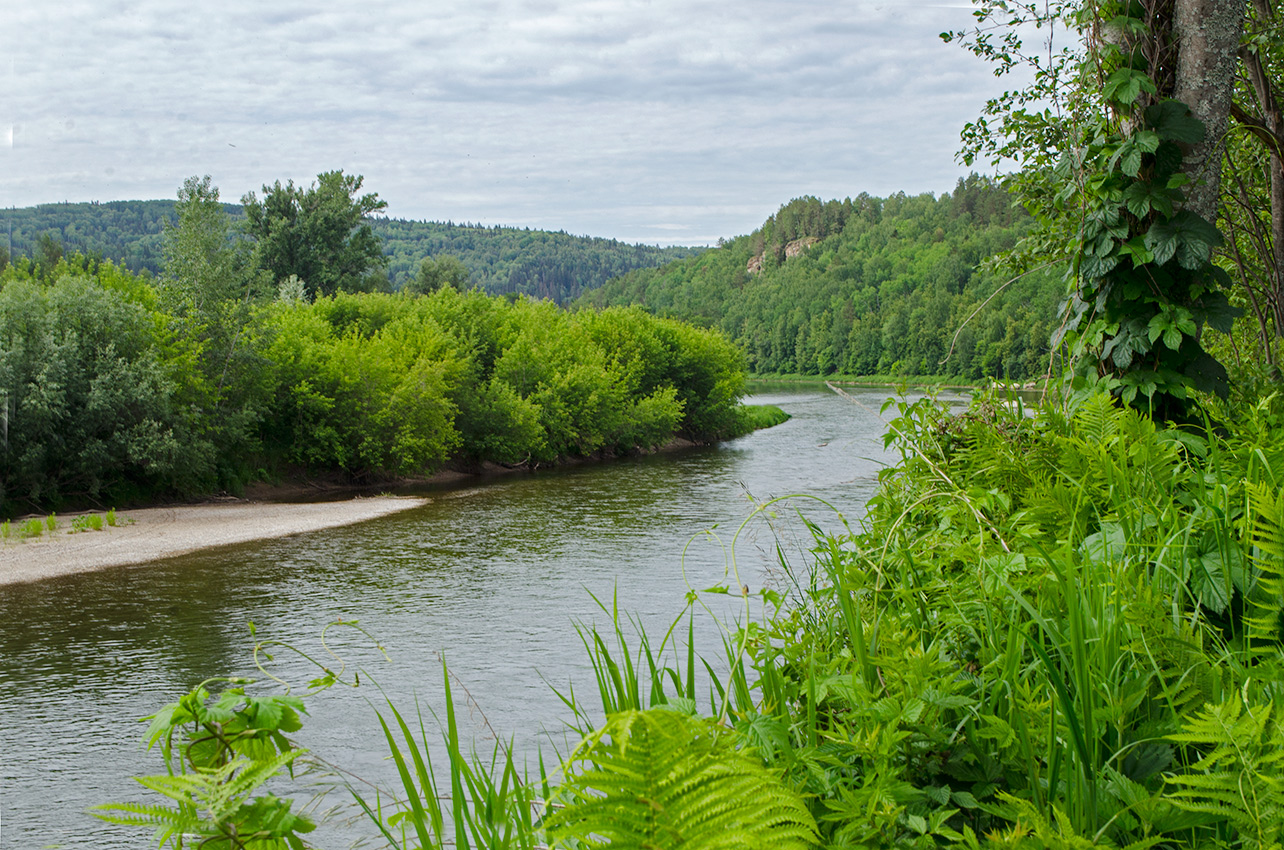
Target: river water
[(493, 576)]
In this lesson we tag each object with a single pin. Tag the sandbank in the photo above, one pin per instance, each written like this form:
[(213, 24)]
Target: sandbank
[(150, 534)]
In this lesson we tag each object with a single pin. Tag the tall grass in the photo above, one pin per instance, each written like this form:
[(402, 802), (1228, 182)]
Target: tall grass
[(1025, 643), (1052, 631)]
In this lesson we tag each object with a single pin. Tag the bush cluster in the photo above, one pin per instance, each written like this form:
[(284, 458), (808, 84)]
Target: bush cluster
[(115, 388)]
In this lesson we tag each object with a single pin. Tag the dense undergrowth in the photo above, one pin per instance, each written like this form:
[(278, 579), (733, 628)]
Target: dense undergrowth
[(1059, 628)]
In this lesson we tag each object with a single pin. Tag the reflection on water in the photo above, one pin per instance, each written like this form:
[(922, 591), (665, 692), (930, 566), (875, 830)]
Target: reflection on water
[(493, 576)]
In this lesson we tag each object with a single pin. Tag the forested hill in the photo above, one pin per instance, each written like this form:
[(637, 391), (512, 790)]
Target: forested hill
[(539, 263), (865, 286), (500, 259)]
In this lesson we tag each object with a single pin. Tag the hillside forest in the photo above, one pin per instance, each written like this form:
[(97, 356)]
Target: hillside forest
[(498, 260), (867, 286), (894, 286)]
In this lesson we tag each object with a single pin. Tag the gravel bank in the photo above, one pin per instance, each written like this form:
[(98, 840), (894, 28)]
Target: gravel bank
[(156, 533)]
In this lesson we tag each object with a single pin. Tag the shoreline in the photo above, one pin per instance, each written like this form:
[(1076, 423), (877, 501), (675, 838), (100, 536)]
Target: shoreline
[(153, 534), (268, 511)]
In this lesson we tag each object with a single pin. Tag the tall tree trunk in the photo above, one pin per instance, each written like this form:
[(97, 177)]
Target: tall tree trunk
[(1207, 33)]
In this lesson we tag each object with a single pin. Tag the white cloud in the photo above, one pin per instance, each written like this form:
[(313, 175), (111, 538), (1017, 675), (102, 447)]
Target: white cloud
[(658, 120)]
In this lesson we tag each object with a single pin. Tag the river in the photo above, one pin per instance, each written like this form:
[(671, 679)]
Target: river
[(492, 575)]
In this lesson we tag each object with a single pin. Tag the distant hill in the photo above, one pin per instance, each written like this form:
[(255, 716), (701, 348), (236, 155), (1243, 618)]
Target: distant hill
[(501, 260), (866, 286)]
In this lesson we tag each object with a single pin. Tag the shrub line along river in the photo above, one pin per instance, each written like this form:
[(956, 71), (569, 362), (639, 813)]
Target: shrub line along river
[(493, 577)]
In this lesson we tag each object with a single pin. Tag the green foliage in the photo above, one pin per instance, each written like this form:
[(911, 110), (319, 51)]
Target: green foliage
[(1266, 529), (866, 286), (319, 234), (1239, 775), (490, 803), (202, 266), (87, 522), (95, 392), (360, 390), (1143, 285), (660, 778), (219, 752), (1053, 628), (1102, 148), (117, 389), (1018, 641), (436, 272), (512, 261), (129, 233), (765, 416), (500, 260)]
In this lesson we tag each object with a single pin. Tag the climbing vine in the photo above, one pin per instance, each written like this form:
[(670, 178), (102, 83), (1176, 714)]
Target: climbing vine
[(1141, 285)]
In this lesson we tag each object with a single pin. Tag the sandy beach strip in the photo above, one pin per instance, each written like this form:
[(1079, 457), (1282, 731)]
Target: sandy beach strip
[(156, 533)]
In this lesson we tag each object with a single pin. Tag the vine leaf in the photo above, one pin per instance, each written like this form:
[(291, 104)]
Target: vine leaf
[(1186, 236), (1126, 85), (1173, 121)]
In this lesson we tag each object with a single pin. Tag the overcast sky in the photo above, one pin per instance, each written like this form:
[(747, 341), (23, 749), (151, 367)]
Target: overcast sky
[(670, 121)]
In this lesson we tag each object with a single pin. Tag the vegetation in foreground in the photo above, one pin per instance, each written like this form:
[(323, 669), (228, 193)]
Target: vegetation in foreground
[(1058, 630)]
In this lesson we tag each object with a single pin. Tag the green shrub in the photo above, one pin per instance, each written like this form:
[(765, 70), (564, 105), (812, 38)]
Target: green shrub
[(759, 416), (87, 522)]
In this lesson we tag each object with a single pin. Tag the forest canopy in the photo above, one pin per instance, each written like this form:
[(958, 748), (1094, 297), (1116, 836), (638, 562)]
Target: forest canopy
[(500, 260), (867, 286)]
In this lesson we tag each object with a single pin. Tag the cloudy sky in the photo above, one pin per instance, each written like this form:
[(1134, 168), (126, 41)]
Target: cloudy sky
[(669, 121)]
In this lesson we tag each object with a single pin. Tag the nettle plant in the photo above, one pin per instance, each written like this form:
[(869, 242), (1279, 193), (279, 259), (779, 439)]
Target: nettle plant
[(1142, 282)]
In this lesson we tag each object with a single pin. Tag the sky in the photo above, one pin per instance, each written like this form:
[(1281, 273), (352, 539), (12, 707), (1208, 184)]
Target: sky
[(656, 121)]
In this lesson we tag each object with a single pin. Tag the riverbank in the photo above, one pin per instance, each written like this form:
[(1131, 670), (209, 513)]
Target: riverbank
[(150, 534)]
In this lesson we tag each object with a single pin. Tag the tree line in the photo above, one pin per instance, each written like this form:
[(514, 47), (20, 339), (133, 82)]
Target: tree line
[(230, 367), (498, 260)]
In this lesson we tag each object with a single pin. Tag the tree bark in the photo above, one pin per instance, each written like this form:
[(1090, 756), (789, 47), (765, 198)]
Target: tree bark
[(1207, 33)]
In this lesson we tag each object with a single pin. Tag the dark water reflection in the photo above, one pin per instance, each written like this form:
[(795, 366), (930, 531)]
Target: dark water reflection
[(492, 575)]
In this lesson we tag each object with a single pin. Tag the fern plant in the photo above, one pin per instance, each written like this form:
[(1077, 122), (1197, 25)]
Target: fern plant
[(659, 778), (1266, 622), (1240, 777), (215, 808)]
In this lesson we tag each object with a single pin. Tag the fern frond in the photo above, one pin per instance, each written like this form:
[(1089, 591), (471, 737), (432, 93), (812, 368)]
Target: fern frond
[(1238, 778), (1057, 833), (1097, 421), (658, 778), (1266, 528), (211, 802), (135, 814)]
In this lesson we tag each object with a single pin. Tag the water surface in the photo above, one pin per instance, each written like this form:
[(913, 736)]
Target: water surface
[(492, 575)]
